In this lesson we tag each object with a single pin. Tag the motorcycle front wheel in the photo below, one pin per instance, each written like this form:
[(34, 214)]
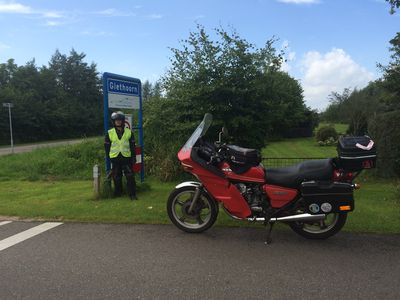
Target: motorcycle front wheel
[(201, 218), (319, 230)]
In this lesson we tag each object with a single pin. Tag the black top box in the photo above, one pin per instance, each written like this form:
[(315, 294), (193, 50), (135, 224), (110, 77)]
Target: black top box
[(356, 153)]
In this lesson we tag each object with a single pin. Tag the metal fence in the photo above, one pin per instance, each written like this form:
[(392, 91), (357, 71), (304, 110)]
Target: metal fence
[(276, 162)]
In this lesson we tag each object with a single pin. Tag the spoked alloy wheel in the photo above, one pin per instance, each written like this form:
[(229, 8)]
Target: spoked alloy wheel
[(203, 215), (322, 229)]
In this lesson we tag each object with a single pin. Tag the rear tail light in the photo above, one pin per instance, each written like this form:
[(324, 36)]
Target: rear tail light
[(340, 175)]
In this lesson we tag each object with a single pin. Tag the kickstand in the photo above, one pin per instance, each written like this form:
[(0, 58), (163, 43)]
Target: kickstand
[(269, 231)]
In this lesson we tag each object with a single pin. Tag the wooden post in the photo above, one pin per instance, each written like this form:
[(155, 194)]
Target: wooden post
[(96, 181)]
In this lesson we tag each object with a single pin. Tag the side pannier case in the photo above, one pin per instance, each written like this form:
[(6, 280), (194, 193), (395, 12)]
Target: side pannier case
[(327, 197), (356, 153)]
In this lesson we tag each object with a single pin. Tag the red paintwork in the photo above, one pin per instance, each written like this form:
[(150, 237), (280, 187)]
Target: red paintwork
[(220, 188), (137, 166), (279, 196), (255, 174)]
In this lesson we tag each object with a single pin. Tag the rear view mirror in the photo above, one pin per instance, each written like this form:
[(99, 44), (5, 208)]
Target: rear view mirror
[(225, 131)]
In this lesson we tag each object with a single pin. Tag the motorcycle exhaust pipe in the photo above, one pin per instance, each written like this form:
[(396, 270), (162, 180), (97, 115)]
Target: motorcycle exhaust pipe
[(293, 218)]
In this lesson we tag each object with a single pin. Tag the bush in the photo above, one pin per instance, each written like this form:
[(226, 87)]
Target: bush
[(326, 133), (383, 130)]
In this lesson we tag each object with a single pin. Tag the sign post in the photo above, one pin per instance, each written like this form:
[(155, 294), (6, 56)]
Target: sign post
[(124, 93), (10, 105)]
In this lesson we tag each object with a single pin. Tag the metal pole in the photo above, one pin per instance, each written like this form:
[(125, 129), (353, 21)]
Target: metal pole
[(96, 181), (11, 131), (10, 105), (106, 116)]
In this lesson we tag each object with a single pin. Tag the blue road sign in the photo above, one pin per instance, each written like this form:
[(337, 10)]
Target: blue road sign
[(122, 92)]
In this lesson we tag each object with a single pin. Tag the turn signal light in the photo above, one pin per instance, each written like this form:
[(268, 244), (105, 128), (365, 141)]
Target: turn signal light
[(345, 207)]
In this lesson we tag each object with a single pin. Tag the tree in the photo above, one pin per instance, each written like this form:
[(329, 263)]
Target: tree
[(241, 85), (394, 4), (391, 75), (61, 100), (151, 91)]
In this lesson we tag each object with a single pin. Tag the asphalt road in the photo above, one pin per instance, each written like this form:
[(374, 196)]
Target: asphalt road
[(108, 261), (28, 148)]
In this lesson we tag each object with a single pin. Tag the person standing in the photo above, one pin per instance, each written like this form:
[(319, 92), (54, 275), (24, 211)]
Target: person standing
[(119, 144)]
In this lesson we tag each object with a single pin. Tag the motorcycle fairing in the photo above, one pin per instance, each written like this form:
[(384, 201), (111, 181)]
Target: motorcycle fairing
[(213, 179), (254, 174), (200, 131)]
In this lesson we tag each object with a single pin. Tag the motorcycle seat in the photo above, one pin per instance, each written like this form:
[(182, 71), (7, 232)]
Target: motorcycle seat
[(293, 176)]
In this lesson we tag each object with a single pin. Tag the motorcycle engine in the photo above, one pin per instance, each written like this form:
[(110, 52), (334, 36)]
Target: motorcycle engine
[(253, 195)]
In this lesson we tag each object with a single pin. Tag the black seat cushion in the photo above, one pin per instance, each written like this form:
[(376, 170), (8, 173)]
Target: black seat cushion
[(243, 151), (293, 176)]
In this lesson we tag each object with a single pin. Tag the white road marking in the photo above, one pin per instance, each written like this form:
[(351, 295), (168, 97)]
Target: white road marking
[(27, 234), (4, 223)]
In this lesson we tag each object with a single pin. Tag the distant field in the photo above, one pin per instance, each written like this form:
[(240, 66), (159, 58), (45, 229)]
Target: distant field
[(302, 147)]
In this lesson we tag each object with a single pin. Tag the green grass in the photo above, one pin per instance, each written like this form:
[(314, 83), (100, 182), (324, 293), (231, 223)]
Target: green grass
[(377, 207), (55, 163), (54, 184), (298, 147), (74, 201), (302, 147)]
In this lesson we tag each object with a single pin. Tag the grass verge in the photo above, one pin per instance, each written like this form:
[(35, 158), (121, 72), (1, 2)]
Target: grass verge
[(377, 208)]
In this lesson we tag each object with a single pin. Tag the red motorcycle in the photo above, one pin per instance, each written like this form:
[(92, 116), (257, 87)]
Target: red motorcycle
[(312, 197)]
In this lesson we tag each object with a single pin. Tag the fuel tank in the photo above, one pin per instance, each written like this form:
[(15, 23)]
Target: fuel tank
[(254, 174)]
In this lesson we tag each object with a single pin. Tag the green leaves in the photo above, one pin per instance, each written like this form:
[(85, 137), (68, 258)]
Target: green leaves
[(223, 74), (58, 101), (238, 83)]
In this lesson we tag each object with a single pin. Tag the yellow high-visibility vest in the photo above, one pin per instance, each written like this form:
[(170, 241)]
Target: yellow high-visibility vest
[(120, 145)]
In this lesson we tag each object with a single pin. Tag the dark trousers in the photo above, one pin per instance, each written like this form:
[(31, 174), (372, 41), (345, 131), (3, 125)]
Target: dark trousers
[(119, 166)]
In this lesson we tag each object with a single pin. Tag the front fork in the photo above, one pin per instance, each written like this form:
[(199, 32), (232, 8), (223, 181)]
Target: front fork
[(196, 196)]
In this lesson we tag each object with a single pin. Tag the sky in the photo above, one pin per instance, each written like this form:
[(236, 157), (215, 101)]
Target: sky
[(330, 44)]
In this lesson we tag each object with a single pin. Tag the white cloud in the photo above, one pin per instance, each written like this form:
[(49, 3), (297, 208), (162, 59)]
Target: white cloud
[(53, 15), (96, 33), (332, 71), (300, 1), (14, 8), (52, 23), (154, 16), (112, 12), (18, 8)]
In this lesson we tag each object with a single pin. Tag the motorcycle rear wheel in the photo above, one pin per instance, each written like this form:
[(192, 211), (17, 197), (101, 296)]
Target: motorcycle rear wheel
[(202, 217), (320, 230)]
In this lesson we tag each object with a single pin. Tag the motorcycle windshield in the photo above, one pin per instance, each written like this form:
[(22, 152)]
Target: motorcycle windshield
[(198, 133)]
